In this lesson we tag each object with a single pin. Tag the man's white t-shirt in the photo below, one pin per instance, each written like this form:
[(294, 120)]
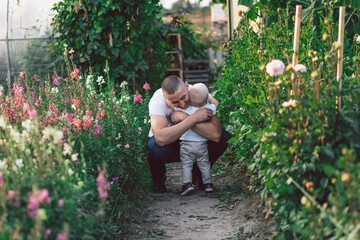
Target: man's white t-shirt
[(157, 106), (191, 135)]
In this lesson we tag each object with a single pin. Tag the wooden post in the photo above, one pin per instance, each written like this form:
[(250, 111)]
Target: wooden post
[(295, 59), (340, 52)]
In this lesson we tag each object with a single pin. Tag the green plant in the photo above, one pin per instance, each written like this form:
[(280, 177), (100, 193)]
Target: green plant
[(126, 34)]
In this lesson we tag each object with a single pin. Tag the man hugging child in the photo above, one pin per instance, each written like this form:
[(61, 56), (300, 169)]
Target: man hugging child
[(193, 147)]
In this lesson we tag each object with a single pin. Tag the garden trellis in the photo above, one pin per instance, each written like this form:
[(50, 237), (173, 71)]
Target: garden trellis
[(24, 38)]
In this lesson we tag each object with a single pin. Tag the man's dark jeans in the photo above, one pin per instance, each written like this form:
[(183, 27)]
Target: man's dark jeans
[(158, 156)]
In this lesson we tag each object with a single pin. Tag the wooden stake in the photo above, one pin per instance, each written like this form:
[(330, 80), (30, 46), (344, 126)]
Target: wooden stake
[(340, 51), (295, 59)]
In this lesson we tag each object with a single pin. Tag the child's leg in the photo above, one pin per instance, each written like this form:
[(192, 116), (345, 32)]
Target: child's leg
[(203, 163), (186, 158)]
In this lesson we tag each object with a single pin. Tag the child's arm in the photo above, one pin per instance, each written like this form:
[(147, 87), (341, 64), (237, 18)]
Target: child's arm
[(213, 101)]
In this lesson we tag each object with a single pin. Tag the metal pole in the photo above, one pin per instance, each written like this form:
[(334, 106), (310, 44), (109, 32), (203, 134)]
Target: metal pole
[(7, 43)]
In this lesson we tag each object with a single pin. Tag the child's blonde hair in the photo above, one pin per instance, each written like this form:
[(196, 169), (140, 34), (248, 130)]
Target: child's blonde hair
[(199, 95)]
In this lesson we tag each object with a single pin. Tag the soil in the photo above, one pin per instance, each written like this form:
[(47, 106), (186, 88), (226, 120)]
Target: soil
[(228, 213)]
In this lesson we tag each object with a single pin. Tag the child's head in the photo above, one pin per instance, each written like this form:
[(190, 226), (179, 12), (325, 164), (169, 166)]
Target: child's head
[(199, 94)]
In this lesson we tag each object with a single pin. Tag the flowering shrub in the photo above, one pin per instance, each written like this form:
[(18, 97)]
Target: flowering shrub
[(71, 152), (288, 129)]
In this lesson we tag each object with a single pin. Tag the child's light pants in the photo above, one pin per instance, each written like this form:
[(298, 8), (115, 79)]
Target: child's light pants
[(191, 152)]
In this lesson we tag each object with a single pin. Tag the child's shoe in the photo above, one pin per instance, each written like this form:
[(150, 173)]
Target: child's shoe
[(187, 188), (209, 188)]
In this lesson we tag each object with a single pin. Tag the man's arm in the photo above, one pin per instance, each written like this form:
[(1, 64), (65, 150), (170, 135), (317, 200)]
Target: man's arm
[(165, 135), (210, 129)]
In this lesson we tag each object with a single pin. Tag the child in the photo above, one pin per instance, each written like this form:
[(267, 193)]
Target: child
[(193, 147)]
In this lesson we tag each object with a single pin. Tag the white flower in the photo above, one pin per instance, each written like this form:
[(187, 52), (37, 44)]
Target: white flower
[(2, 122), (358, 39), (70, 172), (74, 156), (277, 83), (123, 84), (289, 103), (3, 164), (58, 135), (47, 132), (54, 90), (300, 68), (73, 107), (19, 163), (67, 149), (26, 124), (15, 135)]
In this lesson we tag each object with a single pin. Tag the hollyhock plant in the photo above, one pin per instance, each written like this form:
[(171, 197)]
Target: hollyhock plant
[(138, 98), (275, 68), (146, 87)]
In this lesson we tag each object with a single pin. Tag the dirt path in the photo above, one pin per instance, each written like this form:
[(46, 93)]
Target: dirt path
[(226, 214)]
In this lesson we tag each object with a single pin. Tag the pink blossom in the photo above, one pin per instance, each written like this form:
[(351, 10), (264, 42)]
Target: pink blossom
[(94, 97), (97, 129), (75, 73), (358, 39), (22, 75), (102, 185), (56, 82), (47, 233), (11, 195), (289, 103), (61, 202), (138, 98), (275, 67), (127, 146), (137, 130), (300, 68), (115, 179), (44, 196), (146, 86), (33, 203), (118, 145), (62, 236), (75, 102), (115, 107), (112, 92), (1, 180), (36, 78)]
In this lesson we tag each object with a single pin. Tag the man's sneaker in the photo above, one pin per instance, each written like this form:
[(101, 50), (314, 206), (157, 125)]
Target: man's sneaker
[(187, 188), (209, 188), (159, 188)]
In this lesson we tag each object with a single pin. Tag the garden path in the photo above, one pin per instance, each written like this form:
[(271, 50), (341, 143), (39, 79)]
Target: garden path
[(228, 213)]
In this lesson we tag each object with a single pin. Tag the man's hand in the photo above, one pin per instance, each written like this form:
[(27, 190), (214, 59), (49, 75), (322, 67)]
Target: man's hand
[(202, 115)]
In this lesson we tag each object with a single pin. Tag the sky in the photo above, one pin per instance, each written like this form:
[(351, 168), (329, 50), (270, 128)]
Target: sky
[(167, 3)]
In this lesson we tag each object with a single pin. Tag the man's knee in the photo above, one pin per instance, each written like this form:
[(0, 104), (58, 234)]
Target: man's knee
[(157, 153)]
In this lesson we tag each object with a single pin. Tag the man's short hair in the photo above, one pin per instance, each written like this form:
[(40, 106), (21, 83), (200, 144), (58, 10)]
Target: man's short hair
[(171, 84)]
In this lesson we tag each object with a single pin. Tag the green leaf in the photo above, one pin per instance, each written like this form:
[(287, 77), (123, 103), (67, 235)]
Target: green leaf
[(247, 3), (352, 4)]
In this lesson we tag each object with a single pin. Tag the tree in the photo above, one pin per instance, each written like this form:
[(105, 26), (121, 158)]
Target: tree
[(125, 33)]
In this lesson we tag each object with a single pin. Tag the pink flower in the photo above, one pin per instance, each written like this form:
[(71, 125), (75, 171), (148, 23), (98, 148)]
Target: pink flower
[(118, 145), (1, 180), (102, 185), (56, 82), (291, 103), (275, 67), (137, 130), (97, 129), (36, 78), (11, 195), (47, 233), (146, 86), (138, 98), (75, 73), (44, 196), (62, 236), (33, 203), (309, 184), (300, 68), (94, 97), (75, 102), (112, 92), (115, 179), (115, 107), (358, 39), (61, 202), (127, 146), (22, 75)]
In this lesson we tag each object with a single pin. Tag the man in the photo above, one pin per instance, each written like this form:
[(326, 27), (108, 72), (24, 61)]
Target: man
[(164, 144)]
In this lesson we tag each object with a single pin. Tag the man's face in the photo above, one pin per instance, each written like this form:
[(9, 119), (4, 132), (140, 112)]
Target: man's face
[(180, 98)]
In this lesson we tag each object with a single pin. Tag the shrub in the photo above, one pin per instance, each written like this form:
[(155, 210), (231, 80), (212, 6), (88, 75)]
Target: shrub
[(288, 131)]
